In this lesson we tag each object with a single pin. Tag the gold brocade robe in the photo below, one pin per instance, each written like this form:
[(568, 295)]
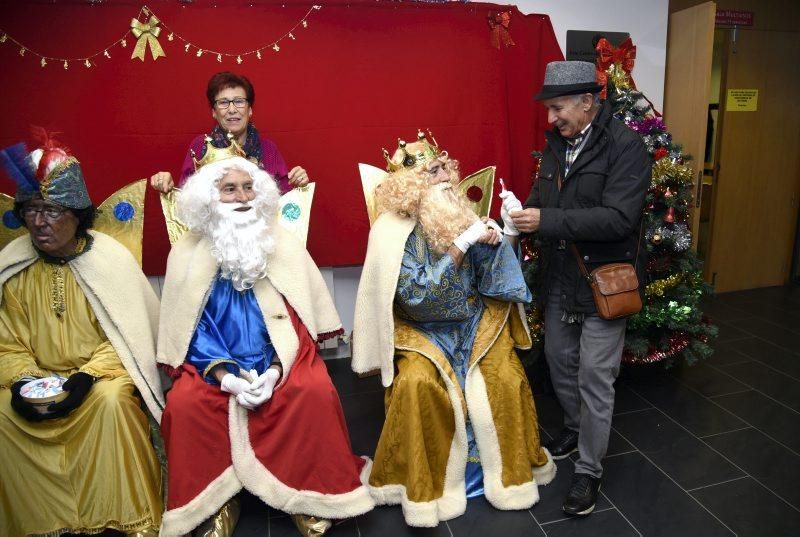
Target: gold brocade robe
[(95, 468)]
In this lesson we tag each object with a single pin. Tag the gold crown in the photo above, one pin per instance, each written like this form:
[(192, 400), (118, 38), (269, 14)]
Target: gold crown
[(215, 154), (414, 154)]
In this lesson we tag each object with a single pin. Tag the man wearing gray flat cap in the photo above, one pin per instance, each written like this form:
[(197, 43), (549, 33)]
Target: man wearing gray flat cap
[(589, 195)]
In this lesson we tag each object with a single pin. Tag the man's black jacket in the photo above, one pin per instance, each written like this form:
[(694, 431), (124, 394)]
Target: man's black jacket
[(599, 207)]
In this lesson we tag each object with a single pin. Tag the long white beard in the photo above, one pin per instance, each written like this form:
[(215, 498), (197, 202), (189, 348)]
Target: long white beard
[(241, 242), (444, 213)]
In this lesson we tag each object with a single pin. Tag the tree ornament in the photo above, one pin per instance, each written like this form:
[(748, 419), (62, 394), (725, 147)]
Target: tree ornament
[(43, 62), (656, 238), (22, 51), (275, 47), (87, 63), (291, 35), (239, 60), (669, 218), (258, 54), (66, 65), (305, 23), (219, 58), (186, 47), (199, 52), (106, 54)]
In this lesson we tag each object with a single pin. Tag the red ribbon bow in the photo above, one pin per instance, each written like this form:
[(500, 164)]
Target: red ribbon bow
[(607, 55), (498, 26)]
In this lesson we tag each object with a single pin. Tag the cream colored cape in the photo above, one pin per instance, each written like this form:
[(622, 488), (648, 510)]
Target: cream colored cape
[(374, 348), (291, 274), (120, 297)]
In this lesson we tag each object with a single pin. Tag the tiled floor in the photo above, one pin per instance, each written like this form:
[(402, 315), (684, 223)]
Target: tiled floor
[(695, 451)]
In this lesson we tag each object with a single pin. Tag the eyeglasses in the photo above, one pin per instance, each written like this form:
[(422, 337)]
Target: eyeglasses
[(50, 214), (223, 104)]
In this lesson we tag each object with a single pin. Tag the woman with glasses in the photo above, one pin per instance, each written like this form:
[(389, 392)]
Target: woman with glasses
[(231, 98)]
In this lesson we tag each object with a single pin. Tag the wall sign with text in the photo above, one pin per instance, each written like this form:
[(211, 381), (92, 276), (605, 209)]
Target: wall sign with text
[(742, 100)]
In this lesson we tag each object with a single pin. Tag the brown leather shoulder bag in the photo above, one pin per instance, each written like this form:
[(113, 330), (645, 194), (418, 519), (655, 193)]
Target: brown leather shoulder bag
[(615, 287)]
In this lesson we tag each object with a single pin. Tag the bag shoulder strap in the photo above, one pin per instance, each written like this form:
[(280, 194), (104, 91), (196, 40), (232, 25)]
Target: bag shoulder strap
[(582, 266)]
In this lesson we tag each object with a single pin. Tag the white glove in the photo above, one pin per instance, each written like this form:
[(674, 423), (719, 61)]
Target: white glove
[(470, 236), (494, 225), (260, 390), (233, 384), (510, 203)]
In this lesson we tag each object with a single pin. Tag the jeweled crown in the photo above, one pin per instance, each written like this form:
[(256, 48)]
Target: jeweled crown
[(414, 154), (215, 154)]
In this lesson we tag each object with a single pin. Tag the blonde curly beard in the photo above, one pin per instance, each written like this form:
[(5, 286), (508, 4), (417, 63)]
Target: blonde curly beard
[(442, 211)]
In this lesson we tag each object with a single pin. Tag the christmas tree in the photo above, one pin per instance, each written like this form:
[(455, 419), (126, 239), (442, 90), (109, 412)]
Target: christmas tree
[(671, 327)]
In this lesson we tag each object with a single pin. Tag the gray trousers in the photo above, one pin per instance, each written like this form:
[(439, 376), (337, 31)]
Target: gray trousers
[(584, 361)]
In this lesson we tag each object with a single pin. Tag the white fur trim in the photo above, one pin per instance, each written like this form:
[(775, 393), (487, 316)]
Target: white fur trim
[(127, 308), (184, 519), (261, 482), (279, 326), (373, 323), (521, 496), (453, 502), (545, 474)]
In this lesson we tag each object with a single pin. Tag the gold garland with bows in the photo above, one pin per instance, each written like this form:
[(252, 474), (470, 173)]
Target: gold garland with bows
[(146, 28)]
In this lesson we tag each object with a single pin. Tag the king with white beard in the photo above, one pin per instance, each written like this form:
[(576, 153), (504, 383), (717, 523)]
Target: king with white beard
[(252, 405), (438, 313)]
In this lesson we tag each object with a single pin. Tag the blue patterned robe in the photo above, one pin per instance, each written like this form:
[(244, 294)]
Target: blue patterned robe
[(443, 302)]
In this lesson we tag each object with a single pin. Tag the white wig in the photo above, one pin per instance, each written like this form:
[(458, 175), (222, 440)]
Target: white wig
[(195, 204)]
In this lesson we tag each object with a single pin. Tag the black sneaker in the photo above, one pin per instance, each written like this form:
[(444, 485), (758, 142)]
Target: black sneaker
[(563, 445), (582, 495)]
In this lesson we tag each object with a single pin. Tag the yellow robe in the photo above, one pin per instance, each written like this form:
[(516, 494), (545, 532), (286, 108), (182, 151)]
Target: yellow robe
[(93, 469)]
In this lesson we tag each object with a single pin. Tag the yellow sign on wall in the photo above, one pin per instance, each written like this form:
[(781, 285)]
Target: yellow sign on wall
[(742, 100)]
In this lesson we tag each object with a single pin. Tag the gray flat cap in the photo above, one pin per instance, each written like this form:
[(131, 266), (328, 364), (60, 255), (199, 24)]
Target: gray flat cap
[(568, 78)]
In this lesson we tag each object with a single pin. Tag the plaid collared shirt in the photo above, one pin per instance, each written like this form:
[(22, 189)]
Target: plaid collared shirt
[(574, 147)]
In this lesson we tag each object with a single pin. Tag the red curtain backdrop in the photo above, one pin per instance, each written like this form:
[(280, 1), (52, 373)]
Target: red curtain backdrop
[(360, 76)]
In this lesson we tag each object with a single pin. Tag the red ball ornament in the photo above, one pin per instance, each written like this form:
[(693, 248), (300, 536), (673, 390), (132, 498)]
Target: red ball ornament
[(660, 153), (474, 193)]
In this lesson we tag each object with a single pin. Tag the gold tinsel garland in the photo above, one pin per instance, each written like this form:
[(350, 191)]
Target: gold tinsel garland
[(659, 287), (667, 170)]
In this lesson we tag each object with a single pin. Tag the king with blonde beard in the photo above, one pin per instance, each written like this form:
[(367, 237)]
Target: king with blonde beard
[(252, 405), (439, 313)]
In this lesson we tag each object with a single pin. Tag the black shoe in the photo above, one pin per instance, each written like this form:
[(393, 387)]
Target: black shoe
[(582, 495), (563, 445)]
